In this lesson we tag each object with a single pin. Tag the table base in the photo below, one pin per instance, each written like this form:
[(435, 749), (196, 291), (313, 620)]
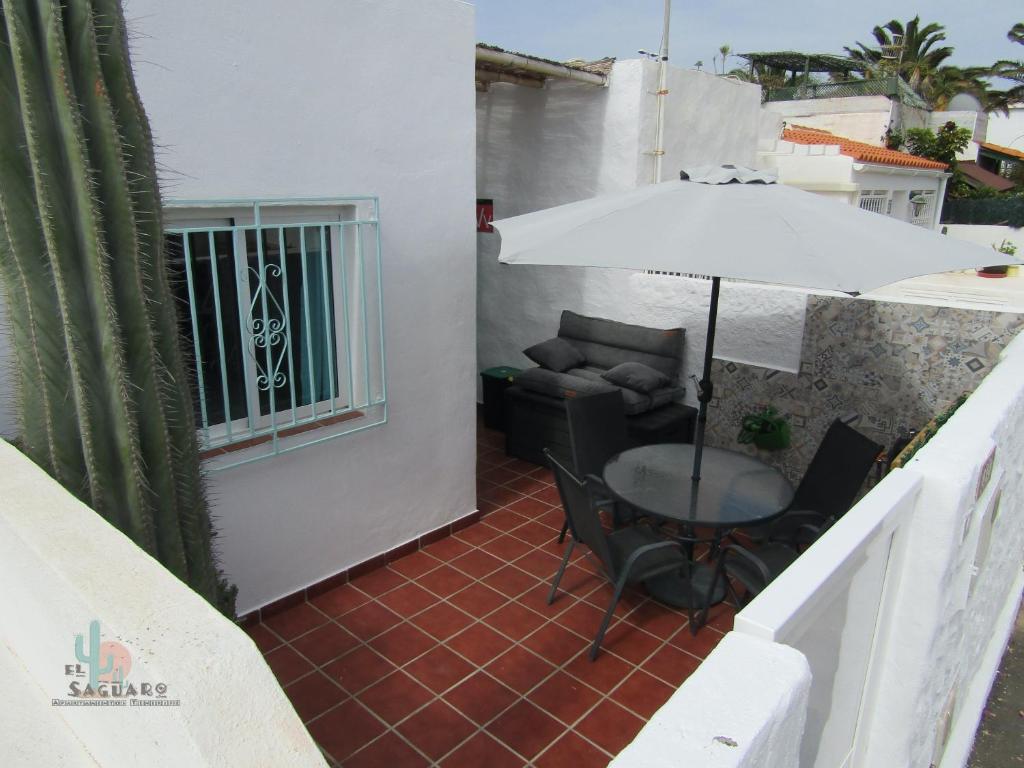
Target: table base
[(673, 588)]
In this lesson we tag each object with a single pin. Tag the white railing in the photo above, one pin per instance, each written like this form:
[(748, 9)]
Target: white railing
[(833, 605)]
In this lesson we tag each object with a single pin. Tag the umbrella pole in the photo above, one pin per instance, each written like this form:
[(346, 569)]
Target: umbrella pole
[(705, 388)]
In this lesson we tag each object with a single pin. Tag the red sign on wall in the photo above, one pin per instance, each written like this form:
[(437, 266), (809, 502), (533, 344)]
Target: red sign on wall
[(484, 215)]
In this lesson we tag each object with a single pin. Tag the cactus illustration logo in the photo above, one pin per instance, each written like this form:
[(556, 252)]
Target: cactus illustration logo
[(108, 661), (100, 676)]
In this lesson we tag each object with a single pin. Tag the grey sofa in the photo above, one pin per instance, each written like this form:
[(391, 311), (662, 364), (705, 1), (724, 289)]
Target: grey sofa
[(535, 404)]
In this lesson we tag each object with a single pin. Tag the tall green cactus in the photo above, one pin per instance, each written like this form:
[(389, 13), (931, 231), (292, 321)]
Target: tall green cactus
[(105, 407)]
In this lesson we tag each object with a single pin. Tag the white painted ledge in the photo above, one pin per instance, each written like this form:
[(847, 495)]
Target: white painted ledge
[(63, 566), (744, 707)]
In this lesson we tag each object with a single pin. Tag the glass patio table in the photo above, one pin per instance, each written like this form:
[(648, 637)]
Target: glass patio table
[(734, 491)]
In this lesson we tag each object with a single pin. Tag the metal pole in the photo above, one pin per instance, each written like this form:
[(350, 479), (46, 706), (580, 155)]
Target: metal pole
[(706, 389), (659, 149)]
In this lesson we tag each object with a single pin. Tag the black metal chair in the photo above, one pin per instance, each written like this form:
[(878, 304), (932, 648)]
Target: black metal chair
[(628, 555), (829, 486), (597, 431)]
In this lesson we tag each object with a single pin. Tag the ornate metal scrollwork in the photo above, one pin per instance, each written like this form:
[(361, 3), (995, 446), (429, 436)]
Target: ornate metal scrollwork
[(267, 333)]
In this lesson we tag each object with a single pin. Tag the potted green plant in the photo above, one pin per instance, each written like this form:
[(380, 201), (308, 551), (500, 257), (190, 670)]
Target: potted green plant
[(767, 430), (1005, 247)]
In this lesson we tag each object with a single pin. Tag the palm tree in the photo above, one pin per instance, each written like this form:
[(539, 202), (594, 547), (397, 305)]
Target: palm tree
[(1009, 69), (918, 58), (947, 82)]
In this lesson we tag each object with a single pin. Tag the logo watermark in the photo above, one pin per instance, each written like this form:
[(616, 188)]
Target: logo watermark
[(99, 678)]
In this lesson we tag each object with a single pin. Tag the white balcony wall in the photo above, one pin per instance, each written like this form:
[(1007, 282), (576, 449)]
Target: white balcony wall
[(1007, 130), (62, 567), (567, 142), (902, 610), (255, 99)]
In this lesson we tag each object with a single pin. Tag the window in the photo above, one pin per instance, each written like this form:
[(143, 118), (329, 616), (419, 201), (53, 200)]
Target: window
[(280, 306), (876, 201)]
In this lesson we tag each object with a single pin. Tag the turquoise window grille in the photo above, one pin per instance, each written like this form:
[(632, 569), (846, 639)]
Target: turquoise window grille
[(281, 309)]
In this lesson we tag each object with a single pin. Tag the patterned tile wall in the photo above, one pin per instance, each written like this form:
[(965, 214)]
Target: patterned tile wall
[(895, 365)]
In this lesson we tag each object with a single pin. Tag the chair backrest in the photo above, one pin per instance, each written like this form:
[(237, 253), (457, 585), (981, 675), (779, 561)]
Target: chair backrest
[(584, 520), (837, 471), (597, 430)]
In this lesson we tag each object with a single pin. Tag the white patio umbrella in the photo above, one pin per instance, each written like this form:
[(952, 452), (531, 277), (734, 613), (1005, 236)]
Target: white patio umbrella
[(736, 223)]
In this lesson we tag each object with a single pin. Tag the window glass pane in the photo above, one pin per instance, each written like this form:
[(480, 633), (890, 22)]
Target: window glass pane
[(299, 303), (214, 369)]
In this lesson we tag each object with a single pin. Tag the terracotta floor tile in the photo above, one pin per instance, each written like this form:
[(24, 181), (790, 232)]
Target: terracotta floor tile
[(541, 564), (345, 729), (582, 618), (510, 581), (449, 547), (325, 643), (518, 465), (548, 495), (642, 694), (629, 642), (498, 475), (313, 695), (555, 643), (526, 484), (296, 621), (610, 727), (530, 507), (479, 643), (514, 620), (537, 599), (480, 697), (705, 641), (554, 518), (359, 669), (519, 669), (477, 563), (572, 751), (543, 473), (436, 729), (604, 673), (388, 751), (657, 619), (395, 697), (440, 669), (408, 599), (536, 534), (721, 617), (379, 581), (601, 597), (368, 621), (526, 729), (286, 664), (482, 751), (671, 665), (579, 583), (442, 620), (485, 507), (477, 534), (564, 697), (478, 600), (444, 581), (505, 520), (402, 644), (264, 639), (340, 600), (502, 495), (506, 547)]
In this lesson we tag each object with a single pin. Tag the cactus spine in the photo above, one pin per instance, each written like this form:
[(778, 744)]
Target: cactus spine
[(102, 384)]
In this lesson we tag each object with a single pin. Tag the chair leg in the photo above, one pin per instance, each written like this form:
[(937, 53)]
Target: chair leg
[(561, 570), (702, 615), (607, 619), (565, 527)]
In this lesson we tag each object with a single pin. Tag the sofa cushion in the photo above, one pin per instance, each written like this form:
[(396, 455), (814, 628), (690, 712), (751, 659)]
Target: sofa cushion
[(561, 385), (555, 354), (637, 377), (606, 343)]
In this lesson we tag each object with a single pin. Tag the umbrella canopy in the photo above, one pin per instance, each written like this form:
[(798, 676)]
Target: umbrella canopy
[(734, 222), (763, 232)]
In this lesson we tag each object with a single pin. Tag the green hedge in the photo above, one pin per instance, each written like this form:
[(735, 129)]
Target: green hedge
[(1007, 211)]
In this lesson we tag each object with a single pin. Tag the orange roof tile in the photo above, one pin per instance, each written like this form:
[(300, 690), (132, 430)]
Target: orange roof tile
[(1008, 151), (859, 150)]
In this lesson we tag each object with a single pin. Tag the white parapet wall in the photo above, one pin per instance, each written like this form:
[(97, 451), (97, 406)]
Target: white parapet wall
[(195, 692), (898, 617)]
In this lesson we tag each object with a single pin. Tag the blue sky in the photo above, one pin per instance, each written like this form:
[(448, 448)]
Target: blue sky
[(590, 29)]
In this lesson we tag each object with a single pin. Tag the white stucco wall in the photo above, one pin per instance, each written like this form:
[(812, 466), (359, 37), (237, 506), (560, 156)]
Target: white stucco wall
[(61, 567), (249, 99), (540, 148), (861, 118), (1006, 130), (987, 235)]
